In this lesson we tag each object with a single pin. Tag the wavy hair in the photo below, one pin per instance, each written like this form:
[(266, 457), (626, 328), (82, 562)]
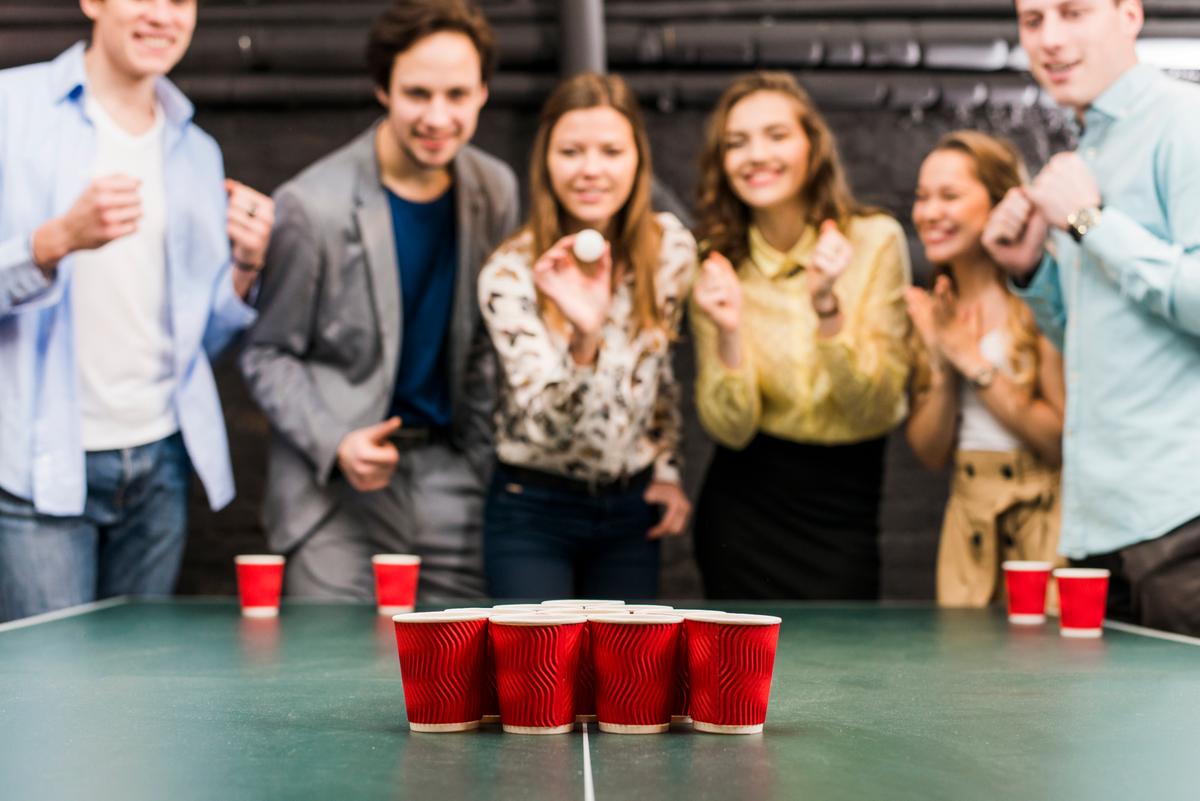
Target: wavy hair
[(724, 220), (638, 234), (999, 167)]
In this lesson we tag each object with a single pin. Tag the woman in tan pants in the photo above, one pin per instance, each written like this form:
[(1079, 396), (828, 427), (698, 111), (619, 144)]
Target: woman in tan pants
[(988, 388)]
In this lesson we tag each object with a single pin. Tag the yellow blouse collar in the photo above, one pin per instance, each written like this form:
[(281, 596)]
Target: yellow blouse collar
[(773, 263)]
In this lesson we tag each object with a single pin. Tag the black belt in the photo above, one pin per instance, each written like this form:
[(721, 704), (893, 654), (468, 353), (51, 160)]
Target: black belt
[(405, 438), (578, 486)]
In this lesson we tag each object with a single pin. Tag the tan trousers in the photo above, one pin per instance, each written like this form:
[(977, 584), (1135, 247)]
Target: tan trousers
[(1002, 506)]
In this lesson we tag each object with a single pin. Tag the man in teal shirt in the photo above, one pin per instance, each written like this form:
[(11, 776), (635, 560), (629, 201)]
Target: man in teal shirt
[(1105, 247)]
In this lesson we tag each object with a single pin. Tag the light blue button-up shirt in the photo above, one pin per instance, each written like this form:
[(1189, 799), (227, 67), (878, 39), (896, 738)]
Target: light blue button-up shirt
[(1124, 308), (47, 146)]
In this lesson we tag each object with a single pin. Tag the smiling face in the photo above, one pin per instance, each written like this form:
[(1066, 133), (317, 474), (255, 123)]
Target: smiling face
[(592, 161), (1078, 48), (434, 99), (951, 207), (766, 150), (141, 39)]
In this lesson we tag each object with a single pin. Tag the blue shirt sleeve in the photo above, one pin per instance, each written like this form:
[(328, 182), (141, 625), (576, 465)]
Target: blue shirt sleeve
[(1043, 295), (1159, 273)]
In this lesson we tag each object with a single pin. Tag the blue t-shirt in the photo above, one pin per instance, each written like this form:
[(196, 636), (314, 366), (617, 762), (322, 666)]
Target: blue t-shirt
[(427, 254)]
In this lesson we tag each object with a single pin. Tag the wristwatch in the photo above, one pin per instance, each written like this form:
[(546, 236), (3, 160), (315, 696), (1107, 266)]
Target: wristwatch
[(982, 378), (1082, 221)]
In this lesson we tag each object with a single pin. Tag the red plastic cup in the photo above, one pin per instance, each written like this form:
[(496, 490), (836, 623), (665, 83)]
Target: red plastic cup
[(636, 659), (679, 710), (1025, 583), (491, 706), (259, 580), (730, 660), (396, 582), (443, 664), (537, 660), (1082, 595)]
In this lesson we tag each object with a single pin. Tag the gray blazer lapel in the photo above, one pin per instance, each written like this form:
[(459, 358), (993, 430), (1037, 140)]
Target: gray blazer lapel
[(469, 220), (374, 218)]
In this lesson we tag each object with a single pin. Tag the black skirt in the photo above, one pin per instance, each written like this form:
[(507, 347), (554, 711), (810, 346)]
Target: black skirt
[(789, 520)]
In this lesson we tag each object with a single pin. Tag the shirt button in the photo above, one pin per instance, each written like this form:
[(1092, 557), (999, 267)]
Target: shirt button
[(1090, 152)]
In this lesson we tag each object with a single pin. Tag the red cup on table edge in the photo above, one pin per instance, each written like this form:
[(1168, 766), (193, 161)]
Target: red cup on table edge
[(396, 577), (636, 660), (443, 666), (1082, 596), (730, 661), (491, 707), (259, 581), (537, 663), (1025, 584)]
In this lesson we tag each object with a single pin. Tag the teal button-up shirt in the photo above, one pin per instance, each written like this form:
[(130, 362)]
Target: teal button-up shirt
[(1124, 308)]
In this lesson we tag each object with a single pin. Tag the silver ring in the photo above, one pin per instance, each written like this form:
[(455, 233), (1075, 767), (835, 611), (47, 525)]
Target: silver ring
[(250, 212)]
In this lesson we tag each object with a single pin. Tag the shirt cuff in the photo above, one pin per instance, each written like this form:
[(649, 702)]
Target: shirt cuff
[(666, 469), (1033, 282), (22, 280)]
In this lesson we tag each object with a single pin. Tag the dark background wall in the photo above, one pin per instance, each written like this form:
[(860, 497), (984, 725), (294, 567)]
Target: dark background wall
[(279, 83)]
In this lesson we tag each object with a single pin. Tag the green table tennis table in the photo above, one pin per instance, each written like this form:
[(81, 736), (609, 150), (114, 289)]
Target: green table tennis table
[(184, 699)]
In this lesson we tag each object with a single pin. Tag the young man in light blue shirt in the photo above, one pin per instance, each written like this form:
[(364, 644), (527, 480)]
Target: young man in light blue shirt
[(1105, 247), (117, 284)]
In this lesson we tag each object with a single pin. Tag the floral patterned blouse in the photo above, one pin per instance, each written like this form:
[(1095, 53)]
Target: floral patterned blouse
[(599, 422)]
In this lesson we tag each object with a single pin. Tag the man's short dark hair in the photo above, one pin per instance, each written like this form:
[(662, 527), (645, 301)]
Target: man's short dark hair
[(408, 21)]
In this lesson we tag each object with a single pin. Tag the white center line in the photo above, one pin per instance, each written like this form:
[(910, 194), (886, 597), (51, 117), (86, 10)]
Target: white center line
[(589, 790)]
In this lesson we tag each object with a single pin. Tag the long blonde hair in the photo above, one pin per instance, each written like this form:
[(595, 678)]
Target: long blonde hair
[(638, 234), (999, 167), (724, 220)]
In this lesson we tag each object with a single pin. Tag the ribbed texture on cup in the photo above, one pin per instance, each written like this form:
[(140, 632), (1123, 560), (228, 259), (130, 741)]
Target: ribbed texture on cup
[(729, 671), (536, 672), (636, 671), (585, 676), (443, 667)]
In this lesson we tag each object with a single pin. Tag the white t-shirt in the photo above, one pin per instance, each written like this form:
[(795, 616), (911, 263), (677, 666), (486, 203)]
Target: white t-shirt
[(119, 300), (978, 430)]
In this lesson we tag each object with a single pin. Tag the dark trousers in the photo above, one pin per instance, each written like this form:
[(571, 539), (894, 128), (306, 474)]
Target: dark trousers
[(790, 520), (542, 542), (1156, 583)]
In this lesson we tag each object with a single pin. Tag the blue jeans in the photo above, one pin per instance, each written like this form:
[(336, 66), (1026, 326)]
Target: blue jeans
[(541, 542), (128, 541)]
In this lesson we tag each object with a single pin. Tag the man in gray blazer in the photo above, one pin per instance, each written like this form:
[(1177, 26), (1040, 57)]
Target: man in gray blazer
[(368, 357)]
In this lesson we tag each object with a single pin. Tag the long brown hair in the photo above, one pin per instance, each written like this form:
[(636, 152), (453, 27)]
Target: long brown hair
[(724, 219), (999, 167), (638, 234)]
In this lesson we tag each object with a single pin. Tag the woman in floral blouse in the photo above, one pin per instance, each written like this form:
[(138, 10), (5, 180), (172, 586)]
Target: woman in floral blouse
[(800, 333), (588, 426)]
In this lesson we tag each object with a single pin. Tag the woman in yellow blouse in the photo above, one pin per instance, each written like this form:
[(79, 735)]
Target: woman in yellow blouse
[(800, 330)]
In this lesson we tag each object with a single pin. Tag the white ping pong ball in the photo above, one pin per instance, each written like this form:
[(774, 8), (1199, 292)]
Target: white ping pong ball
[(589, 245)]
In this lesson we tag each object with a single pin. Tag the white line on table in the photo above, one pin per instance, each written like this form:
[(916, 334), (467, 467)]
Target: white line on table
[(1145, 632), (589, 790), (59, 614)]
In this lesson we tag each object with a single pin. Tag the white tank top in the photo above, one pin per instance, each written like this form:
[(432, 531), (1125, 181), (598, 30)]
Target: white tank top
[(978, 429)]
